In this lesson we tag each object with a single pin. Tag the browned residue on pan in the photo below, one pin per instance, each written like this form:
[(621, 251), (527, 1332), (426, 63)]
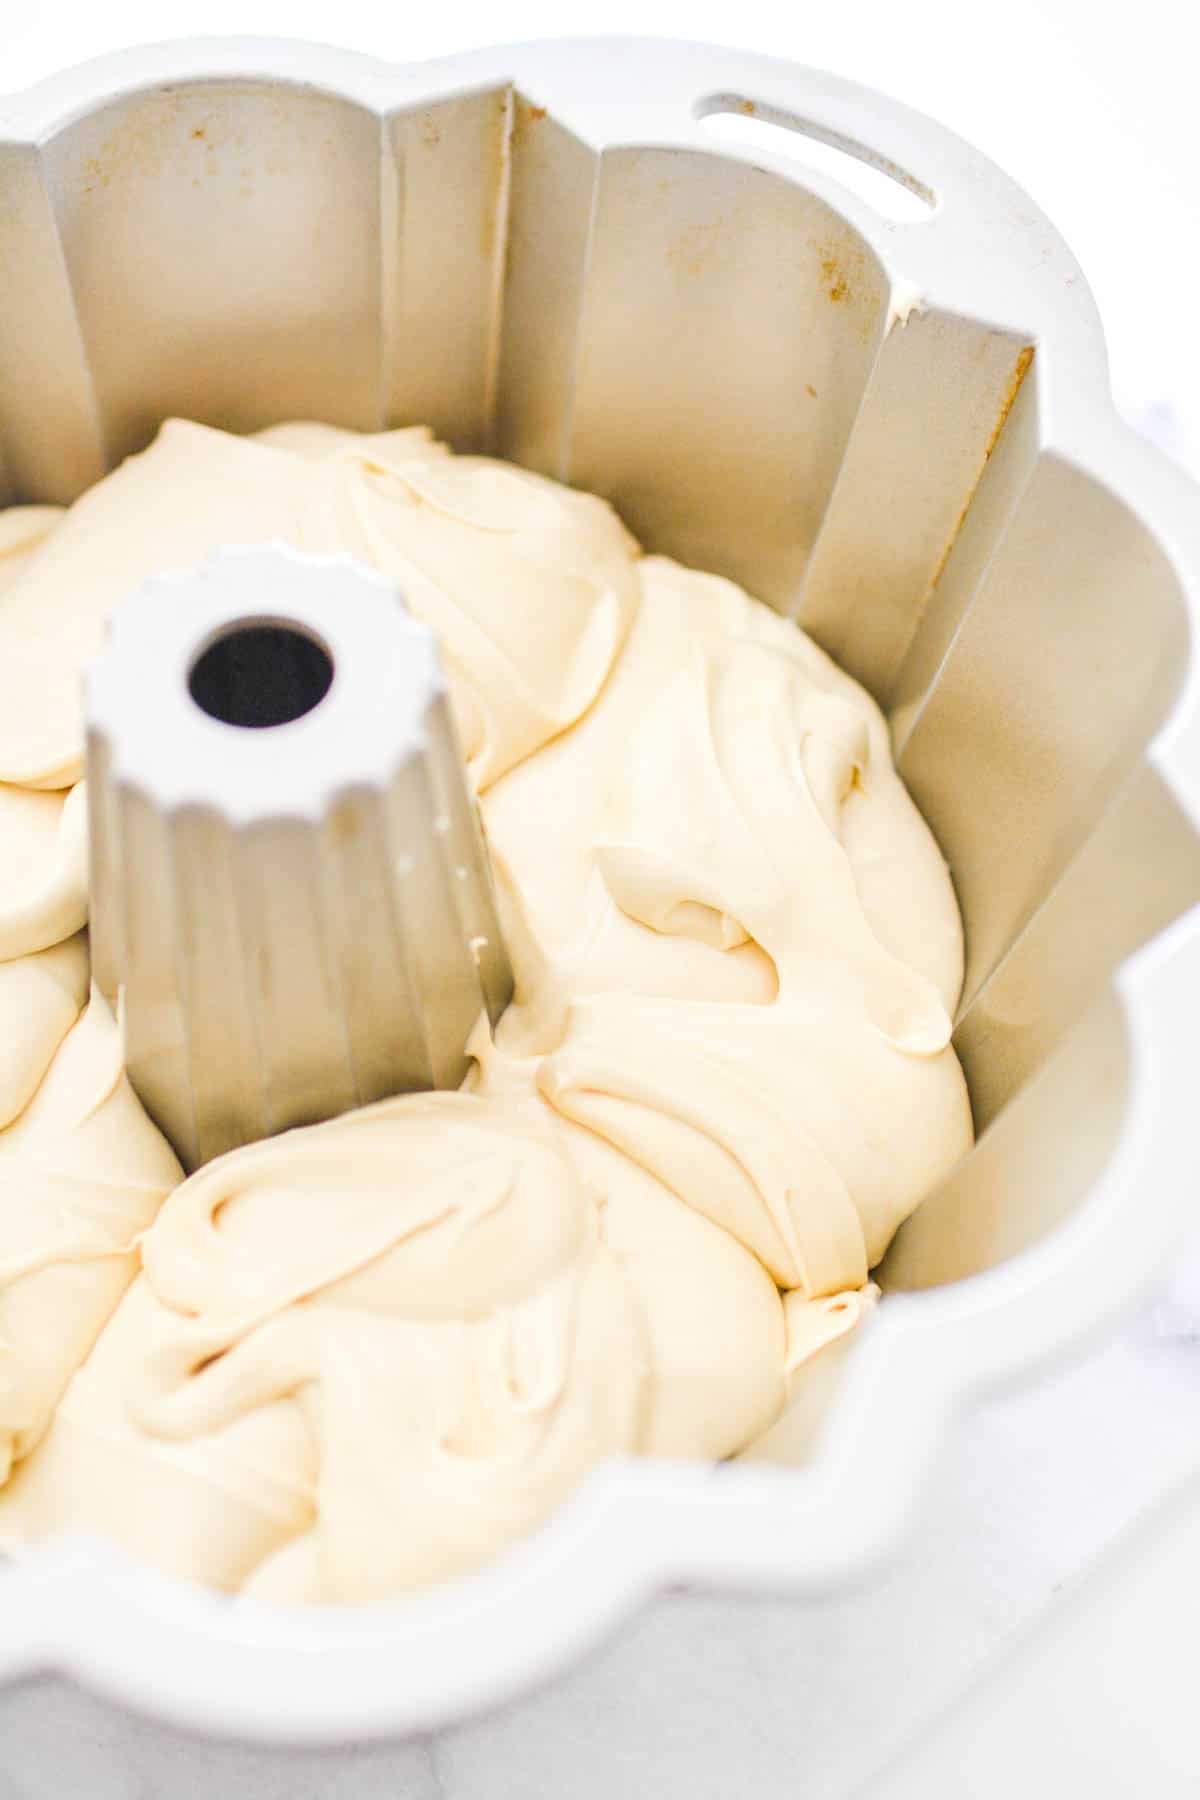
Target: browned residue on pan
[(204, 133), (836, 284), (494, 150), (138, 140), (525, 115), (1011, 389), (701, 246), (842, 270), (496, 245), (1010, 393)]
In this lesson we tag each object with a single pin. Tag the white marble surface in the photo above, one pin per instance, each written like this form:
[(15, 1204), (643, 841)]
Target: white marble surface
[(709, 1699), (1099, 1697)]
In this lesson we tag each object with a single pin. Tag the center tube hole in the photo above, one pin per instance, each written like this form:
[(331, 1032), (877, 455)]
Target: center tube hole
[(261, 673)]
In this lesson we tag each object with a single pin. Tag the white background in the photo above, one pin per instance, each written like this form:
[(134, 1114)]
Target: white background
[(1095, 112)]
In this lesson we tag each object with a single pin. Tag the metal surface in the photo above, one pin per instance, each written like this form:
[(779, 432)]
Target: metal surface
[(899, 433), (291, 905)]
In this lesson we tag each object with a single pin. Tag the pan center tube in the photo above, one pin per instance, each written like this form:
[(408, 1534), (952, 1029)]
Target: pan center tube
[(292, 909)]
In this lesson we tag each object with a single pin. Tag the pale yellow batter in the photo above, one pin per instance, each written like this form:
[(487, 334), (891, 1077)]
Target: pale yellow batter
[(366, 1355)]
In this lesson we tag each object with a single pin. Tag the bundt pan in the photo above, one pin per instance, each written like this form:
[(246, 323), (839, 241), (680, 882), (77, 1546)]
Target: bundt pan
[(899, 434)]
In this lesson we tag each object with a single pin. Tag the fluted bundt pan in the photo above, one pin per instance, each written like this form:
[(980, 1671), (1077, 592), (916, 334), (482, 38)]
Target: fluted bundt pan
[(899, 434)]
